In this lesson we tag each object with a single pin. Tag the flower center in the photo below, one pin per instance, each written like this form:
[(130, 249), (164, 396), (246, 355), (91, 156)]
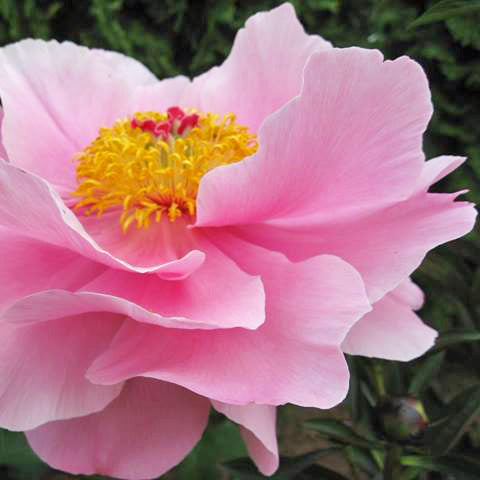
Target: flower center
[(151, 165)]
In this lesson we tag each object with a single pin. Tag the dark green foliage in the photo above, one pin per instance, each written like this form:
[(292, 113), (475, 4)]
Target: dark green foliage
[(187, 37), (15, 452), (446, 10)]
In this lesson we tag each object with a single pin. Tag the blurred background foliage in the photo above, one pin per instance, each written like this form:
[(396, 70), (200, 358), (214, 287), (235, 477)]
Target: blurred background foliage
[(400, 421)]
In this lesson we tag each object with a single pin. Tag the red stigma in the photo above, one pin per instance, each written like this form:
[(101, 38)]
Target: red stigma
[(148, 126), (190, 121), (162, 130), (175, 113), (178, 122)]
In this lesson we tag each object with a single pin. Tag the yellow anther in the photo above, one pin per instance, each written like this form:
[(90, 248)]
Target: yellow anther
[(144, 176)]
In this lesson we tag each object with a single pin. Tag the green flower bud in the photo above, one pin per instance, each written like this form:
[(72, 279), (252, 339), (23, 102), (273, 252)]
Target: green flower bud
[(402, 418)]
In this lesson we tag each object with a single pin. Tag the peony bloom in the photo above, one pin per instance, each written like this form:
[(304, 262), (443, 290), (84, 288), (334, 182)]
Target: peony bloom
[(169, 246)]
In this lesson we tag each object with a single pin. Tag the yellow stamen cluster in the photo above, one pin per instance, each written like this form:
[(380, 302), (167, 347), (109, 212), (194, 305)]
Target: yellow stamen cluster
[(145, 176)]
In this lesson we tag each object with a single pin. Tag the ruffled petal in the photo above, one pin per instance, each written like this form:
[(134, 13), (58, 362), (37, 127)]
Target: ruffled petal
[(258, 429), (218, 295), (263, 71), (293, 357), (56, 96), (410, 294), (298, 289), (42, 369), (391, 331), (229, 365), (170, 247), (437, 168), (49, 304), (30, 207), (335, 151), (29, 266), (146, 431), (385, 246)]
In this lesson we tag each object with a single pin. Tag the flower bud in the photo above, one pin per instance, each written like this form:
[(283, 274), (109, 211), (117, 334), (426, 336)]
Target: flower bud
[(402, 418)]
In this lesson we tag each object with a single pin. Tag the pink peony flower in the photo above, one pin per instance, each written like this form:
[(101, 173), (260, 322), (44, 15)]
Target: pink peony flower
[(162, 255)]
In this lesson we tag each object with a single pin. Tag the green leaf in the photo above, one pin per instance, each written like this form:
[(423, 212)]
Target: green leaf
[(368, 394), (290, 467), (318, 472), (361, 458), (446, 9), (465, 30), (456, 336), (337, 431), (460, 466), (425, 373), (220, 442), (243, 469), (411, 473), (17, 454), (463, 409)]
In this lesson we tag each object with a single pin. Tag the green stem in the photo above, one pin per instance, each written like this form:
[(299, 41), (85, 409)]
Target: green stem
[(379, 380), (391, 470)]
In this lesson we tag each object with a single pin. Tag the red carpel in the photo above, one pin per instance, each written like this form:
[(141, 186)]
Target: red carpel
[(178, 123)]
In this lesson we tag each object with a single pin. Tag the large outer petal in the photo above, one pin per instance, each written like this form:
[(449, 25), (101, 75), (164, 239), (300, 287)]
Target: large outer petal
[(335, 150), (56, 96), (257, 427), (29, 266), (42, 370), (391, 330), (263, 71), (293, 357), (386, 245), (30, 207), (146, 431)]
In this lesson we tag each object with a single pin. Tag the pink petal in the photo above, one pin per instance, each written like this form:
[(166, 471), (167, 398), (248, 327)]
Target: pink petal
[(218, 295), (334, 151), (196, 302), (257, 426), (146, 431), (50, 304), (42, 370), (293, 357), (342, 294), (410, 294), (170, 247), (437, 168), (30, 207), (229, 365), (56, 96), (385, 246), (3, 153), (264, 69), (391, 331), (29, 266), (160, 96)]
